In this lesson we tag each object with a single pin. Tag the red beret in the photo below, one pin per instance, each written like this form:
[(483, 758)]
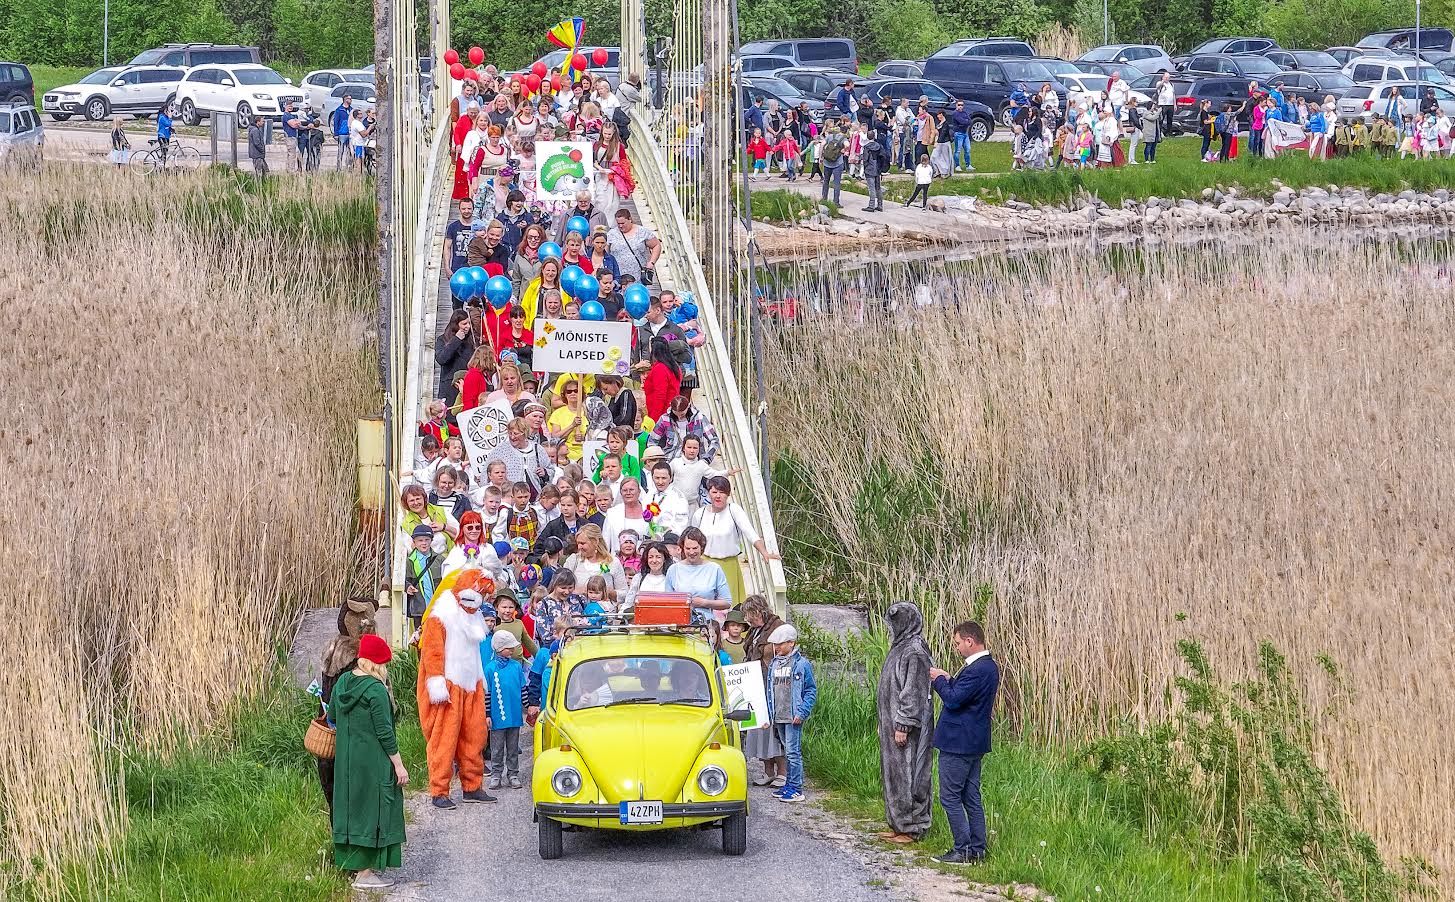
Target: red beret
[(373, 648)]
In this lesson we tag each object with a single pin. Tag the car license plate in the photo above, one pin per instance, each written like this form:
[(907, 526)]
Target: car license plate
[(641, 812)]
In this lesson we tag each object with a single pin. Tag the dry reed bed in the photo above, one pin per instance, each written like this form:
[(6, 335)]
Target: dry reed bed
[(1259, 443), (176, 424)]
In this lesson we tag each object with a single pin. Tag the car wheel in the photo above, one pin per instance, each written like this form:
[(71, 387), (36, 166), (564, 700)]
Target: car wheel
[(981, 128), (189, 113), (96, 109), (19, 98), (1007, 118), (60, 117), (551, 844), (735, 834), (244, 113)]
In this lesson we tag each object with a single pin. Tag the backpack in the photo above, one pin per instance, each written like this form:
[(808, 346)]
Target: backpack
[(833, 149), (623, 122)]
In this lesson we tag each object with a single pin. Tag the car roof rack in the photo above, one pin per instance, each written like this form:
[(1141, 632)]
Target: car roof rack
[(624, 624)]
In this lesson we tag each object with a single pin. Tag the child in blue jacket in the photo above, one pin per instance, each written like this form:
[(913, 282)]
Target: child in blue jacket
[(791, 694), (504, 687)]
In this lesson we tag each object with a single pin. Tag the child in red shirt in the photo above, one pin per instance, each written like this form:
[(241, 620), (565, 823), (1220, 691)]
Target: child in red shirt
[(758, 152), (791, 155)]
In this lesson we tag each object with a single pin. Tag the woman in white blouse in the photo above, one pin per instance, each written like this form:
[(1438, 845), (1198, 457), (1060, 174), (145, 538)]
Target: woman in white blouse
[(656, 560), (592, 559), (727, 528)]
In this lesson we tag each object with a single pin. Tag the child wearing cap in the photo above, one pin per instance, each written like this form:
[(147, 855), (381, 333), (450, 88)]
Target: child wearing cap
[(505, 684), (509, 610), (791, 695), (421, 574), (735, 629)]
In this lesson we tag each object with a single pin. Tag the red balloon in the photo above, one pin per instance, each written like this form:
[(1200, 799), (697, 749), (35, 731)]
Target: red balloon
[(556, 82), (533, 82), (451, 57), (539, 68), (598, 56), (477, 56), (578, 62), (472, 74), (457, 71)]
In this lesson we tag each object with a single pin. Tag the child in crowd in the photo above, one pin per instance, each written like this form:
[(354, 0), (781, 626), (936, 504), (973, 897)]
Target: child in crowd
[(604, 500), (541, 666), (518, 521), (429, 452), (788, 148), (599, 600), (758, 153), (496, 475), (627, 553), (857, 139), (548, 505), (505, 684), (508, 610), (558, 601), (609, 474), (1084, 142), (689, 470), (1017, 150), (488, 502), (791, 696), (734, 640), (924, 174), (1360, 136), (435, 424), (421, 574), (548, 555), (811, 156)]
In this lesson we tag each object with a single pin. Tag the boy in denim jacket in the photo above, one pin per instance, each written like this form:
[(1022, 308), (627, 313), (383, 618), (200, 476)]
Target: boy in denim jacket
[(791, 694)]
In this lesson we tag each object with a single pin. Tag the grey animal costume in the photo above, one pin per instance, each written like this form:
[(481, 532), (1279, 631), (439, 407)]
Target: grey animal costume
[(904, 704)]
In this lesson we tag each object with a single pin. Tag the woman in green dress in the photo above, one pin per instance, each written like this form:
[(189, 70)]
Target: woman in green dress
[(369, 776)]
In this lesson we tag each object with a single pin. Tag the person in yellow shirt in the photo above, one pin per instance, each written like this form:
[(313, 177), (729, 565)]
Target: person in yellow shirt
[(567, 423)]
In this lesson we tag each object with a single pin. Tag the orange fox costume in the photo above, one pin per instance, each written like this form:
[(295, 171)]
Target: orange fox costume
[(451, 688)]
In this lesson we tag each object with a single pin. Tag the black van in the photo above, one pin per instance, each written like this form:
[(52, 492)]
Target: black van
[(16, 85), (825, 53), (1404, 39), (991, 80)]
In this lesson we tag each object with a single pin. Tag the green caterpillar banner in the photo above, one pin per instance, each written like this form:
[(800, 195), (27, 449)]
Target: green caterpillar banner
[(562, 169)]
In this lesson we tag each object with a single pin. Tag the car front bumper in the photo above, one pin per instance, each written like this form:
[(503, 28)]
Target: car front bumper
[(54, 104), (680, 814)]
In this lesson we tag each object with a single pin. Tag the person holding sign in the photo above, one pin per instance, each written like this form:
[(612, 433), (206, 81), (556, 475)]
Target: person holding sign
[(567, 423)]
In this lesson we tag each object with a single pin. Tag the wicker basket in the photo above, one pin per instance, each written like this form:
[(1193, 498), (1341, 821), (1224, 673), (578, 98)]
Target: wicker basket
[(319, 740)]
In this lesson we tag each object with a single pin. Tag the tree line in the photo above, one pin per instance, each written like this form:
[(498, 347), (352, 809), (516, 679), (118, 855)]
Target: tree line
[(311, 33)]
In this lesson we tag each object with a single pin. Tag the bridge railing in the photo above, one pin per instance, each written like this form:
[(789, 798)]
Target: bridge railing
[(680, 268)]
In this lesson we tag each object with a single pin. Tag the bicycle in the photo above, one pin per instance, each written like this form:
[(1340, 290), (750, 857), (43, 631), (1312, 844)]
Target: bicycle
[(172, 154)]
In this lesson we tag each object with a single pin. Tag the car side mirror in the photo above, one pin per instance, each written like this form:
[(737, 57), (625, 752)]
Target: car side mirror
[(117, 83), (288, 80), (227, 83), (741, 715)]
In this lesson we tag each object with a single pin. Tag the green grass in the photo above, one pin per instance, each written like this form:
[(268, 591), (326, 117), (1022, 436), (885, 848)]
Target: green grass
[(1052, 823), (241, 815), (48, 78), (1177, 174), (783, 205)]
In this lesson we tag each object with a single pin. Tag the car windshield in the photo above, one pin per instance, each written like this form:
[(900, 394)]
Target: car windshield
[(777, 86), (1334, 81), (1315, 59), (1060, 67), (259, 77), (100, 77), (1022, 71), (1258, 65), (637, 680), (1427, 73), (362, 77), (932, 91), (148, 57)]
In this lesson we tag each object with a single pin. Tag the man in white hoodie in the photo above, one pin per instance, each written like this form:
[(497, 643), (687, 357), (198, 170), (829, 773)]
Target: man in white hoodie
[(451, 690)]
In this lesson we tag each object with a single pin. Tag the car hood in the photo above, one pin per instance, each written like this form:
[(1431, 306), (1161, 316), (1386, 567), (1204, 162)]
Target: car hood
[(74, 88), (640, 751)]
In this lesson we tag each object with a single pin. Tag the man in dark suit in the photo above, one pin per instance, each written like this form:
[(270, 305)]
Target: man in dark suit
[(962, 737)]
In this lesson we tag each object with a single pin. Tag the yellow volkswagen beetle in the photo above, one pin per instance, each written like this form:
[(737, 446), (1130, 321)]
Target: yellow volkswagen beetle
[(634, 735)]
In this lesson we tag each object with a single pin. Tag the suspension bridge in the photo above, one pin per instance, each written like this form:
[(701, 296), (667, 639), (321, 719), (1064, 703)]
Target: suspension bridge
[(682, 142)]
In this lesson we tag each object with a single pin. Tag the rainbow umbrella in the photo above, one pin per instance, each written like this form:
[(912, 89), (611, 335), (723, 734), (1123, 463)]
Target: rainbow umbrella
[(568, 35)]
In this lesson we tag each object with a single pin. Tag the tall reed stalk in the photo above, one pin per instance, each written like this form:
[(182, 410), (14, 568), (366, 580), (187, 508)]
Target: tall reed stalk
[(184, 359), (1134, 448)]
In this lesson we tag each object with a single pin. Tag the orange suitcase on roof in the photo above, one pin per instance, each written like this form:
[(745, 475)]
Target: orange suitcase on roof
[(662, 609)]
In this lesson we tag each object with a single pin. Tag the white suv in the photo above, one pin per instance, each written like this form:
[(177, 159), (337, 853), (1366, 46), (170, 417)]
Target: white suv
[(1366, 70), (246, 90), (139, 90), (320, 83)]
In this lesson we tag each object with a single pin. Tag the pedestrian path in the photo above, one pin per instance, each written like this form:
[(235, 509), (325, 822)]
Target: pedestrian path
[(913, 223)]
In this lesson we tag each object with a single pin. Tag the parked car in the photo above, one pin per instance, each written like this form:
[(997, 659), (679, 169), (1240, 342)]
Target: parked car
[(1447, 66), (1191, 90), (318, 85), (242, 89), (812, 82), (900, 69), (1001, 46), (189, 55), (991, 81), (1363, 101), (637, 734), (16, 85), (770, 88), (1059, 67), (1093, 88), (1233, 45), (1303, 60), (22, 137), (763, 65), (1370, 69), (611, 71), (830, 53), (1087, 68), (1248, 66), (982, 122), (1405, 39), (366, 97), (139, 90), (1145, 58), (1315, 85), (1344, 53)]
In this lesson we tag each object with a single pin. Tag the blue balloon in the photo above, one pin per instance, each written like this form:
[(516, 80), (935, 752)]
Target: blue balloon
[(636, 299), (579, 225), (569, 277), (478, 278), (587, 288), (689, 310), (549, 249), (497, 292), (592, 310), (462, 285)]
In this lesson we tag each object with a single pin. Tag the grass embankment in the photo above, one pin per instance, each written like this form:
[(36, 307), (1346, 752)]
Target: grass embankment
[(780, 205), (194, 400), (1177, 174), (1062, 464)]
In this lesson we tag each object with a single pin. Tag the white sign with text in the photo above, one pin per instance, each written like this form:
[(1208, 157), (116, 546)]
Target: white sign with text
[(582, 346)]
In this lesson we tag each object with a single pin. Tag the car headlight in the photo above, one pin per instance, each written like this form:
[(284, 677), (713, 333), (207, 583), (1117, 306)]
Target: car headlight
[(566, 781), (712, 780), (262, 97)]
